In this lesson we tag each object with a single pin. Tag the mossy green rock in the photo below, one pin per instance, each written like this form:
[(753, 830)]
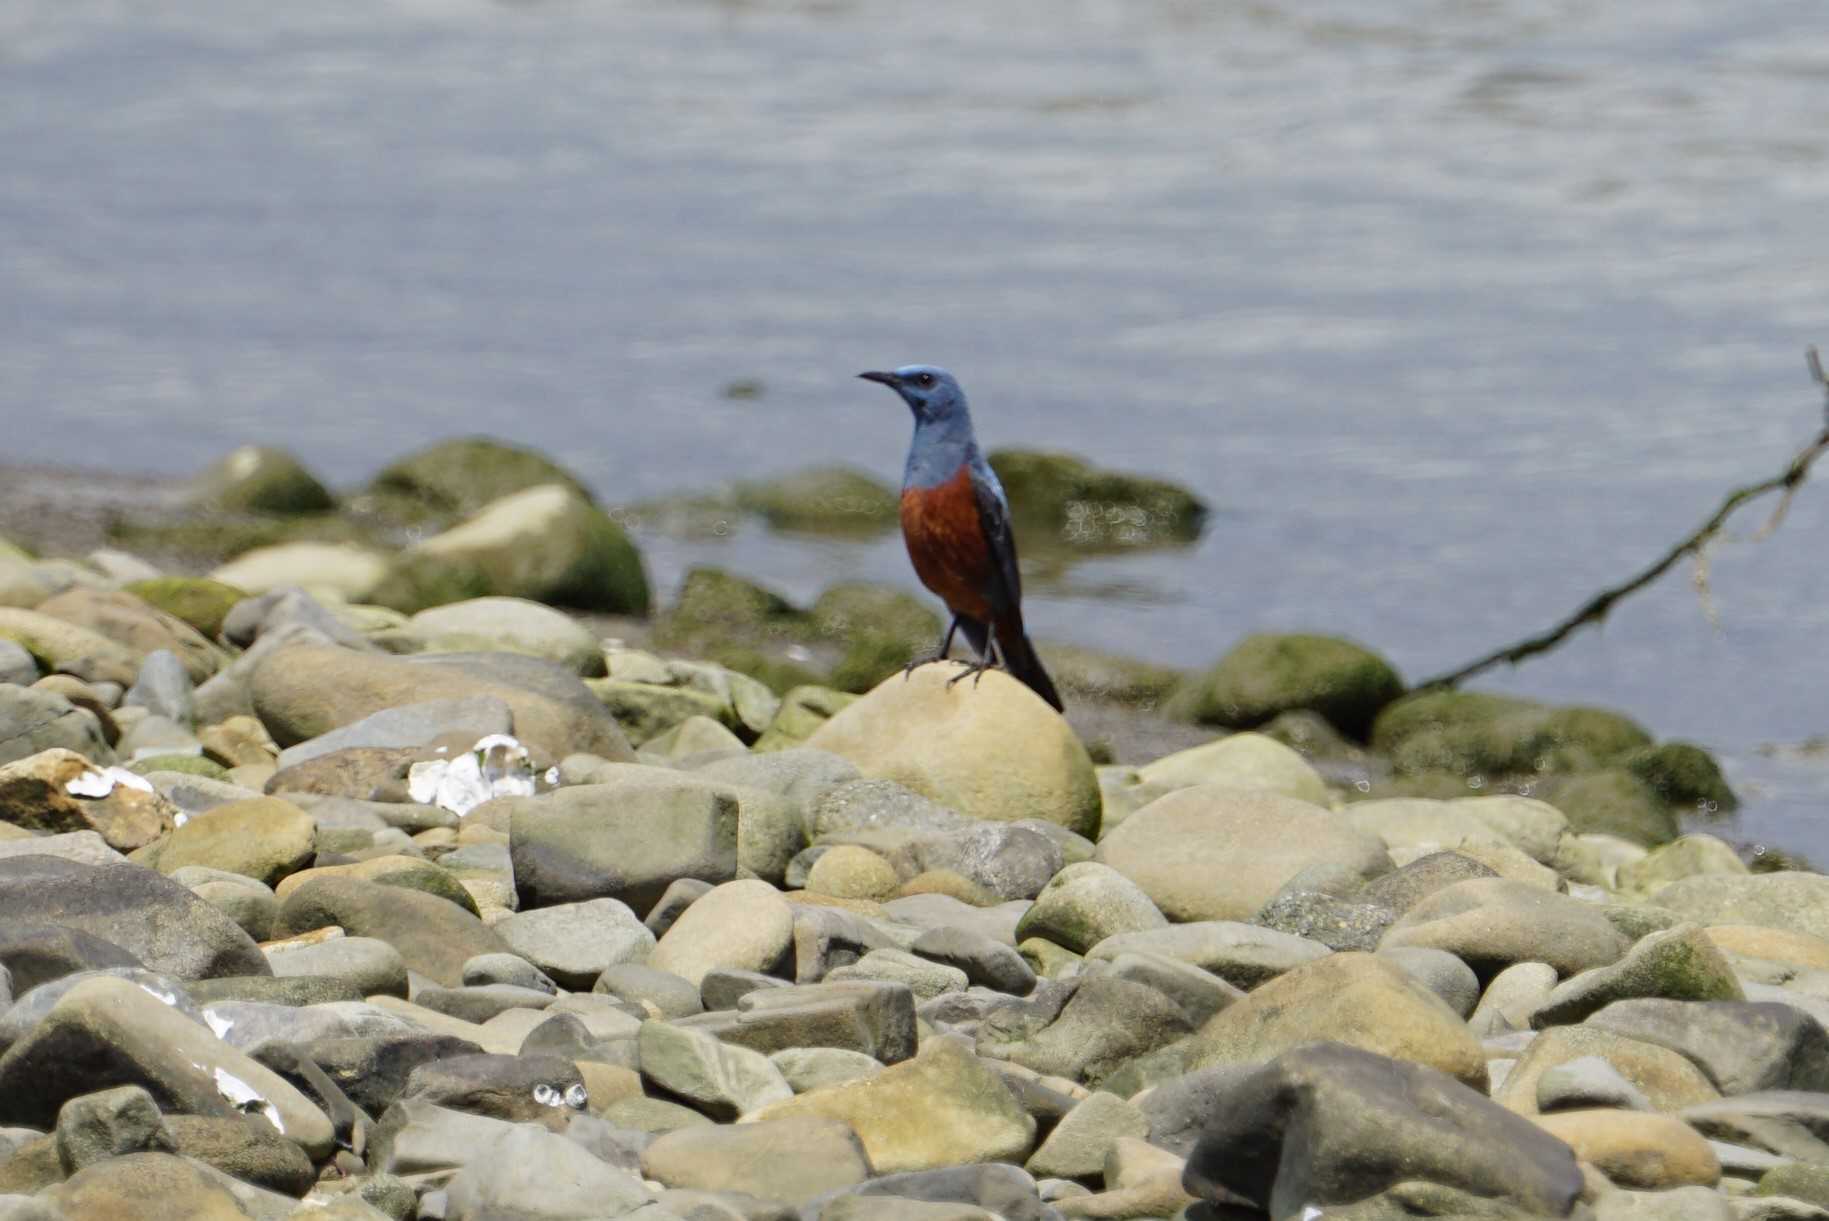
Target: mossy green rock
[(880, 628), (857, 607), (1268, 674), (1683, 774), (1475, 733), (198, 601), (260, 479), (647, 710), (1679, 964), (466, 473), (714, 605), (1092, 674), (803, 710), (1614, 802), (190, 765), (1796, 1181), (833, 499), (548, 544), (1071, 502)]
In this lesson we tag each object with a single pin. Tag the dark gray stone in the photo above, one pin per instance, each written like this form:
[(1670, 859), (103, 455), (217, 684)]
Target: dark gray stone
[(39, 953), (33, 720), (1792, 1123), (871, 1016), (985, 960), (508, 969), (1200, 994), (163, 687), (1326, 1124), (481, 1002), (1402, 889), (1340, 924), (1106, 1022), (95, 1127), (1742, 1046), (997, 1187), (514, 1088), (725, 987), (165, 926), (373, 1070), (1179, 1109), (668, 994), (675, 899)]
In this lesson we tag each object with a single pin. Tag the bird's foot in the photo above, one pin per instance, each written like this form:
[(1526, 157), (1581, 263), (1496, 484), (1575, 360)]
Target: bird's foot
[(974, 670), (928, 659)]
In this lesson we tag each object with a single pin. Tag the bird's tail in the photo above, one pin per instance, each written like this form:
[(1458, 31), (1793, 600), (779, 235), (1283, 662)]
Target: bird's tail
[(1020, 659)]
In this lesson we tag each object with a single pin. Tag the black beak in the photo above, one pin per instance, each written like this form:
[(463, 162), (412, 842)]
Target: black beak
[(888, 379)]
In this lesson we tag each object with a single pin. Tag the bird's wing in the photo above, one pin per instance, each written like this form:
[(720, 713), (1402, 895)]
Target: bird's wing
[(994, 518)]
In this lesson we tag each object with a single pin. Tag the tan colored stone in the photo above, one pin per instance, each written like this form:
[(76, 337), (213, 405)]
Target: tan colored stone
[(344, 571), (124, 1189), (1666, 1078), (989, 748), (945, 1107), (1633, 1149), (263, 838), (307, 690), (61, 645), (745, 925), (1180, 847), (35, 795), (1352, 998), (1772, 944), (240, 741), (848, 871), (138, 627), (1241, 761)]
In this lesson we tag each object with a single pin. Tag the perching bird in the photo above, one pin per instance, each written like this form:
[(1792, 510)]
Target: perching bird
[(956, 523)]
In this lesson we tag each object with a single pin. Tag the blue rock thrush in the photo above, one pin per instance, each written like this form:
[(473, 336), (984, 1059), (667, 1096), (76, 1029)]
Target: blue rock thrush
[(956, 522)]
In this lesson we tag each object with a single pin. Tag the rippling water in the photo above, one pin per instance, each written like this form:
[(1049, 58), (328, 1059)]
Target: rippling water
[(1454, 312)]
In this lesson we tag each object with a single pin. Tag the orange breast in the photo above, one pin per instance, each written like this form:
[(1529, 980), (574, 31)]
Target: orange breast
[(947, 544)]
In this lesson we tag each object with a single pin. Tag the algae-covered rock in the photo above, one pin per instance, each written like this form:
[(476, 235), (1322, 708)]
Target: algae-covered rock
[(1268, 674), (466, 473), (1066, 499), (880, 628), (832, 499), (1092, 674), (714, 604), (198, 601), (803, 710), (261, 479), (1475, 733), (548, 544), (1683, 774), (1614, 802)]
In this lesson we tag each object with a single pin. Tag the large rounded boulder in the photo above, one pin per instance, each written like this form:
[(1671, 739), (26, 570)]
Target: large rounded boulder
[(987, 747)]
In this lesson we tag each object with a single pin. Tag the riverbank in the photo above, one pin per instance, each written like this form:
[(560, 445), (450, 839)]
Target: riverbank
[(413, 862)]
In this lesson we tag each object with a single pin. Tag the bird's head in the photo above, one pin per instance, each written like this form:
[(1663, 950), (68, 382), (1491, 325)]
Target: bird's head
[(930, 392)]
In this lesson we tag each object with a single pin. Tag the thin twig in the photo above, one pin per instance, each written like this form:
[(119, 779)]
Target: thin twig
[(1595, 608)]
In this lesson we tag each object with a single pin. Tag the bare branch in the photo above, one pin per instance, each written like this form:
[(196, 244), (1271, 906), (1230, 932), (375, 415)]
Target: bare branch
[(1595, 609)]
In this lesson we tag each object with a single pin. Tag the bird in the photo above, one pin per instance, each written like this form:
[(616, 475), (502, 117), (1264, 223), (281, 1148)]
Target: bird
[(956, 524)]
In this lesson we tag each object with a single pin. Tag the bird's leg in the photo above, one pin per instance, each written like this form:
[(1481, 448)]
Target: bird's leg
[(992, 659), (946, 646)]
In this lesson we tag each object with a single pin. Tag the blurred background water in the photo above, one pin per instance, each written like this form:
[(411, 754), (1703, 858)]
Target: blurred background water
[(1454, 312)]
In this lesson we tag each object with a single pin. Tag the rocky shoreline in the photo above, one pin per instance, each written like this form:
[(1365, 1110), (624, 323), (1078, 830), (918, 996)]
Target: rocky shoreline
[(390, 855)]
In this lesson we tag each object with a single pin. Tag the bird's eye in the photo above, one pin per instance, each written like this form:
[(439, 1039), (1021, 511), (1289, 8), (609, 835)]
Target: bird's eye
[(925, 379)]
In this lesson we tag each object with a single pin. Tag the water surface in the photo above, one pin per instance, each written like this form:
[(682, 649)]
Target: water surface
[(1454, 312)]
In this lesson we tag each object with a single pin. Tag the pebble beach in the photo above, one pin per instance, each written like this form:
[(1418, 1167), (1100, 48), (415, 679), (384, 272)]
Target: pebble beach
[(399, 852)]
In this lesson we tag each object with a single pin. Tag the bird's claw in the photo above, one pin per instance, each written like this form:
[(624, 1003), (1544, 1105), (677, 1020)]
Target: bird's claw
[(928, 659), (974, 670)]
